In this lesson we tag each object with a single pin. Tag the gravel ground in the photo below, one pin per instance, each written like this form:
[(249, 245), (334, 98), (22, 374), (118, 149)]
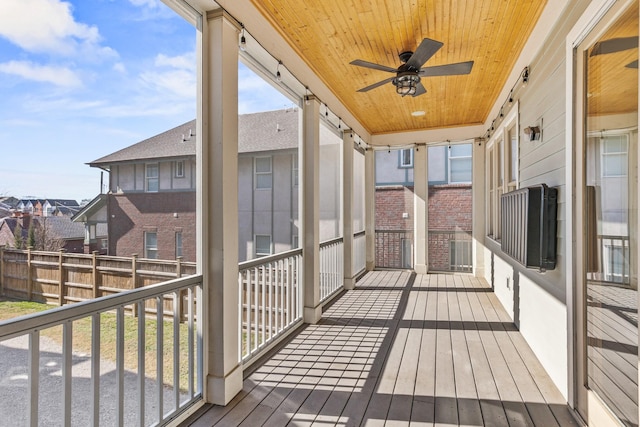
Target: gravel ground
[(14, 399)]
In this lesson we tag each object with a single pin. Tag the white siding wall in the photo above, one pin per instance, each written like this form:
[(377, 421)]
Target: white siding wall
[(537, 301)]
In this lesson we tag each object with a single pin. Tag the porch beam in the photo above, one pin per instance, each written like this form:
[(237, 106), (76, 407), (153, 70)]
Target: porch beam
[(311, 210), (217, 202), (347, 207), (420, 210)]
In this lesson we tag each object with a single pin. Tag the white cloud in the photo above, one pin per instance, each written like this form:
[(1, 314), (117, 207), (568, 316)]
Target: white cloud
[(185, 62), (59, 76), (177, 82), (119, 67), (152, 4), (47, 26)]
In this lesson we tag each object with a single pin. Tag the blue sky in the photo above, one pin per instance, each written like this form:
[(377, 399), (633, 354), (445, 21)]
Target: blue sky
[(81, 79)]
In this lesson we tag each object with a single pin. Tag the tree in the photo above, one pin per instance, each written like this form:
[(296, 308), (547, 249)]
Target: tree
[(46, 239), (17, 237), (31, 236)]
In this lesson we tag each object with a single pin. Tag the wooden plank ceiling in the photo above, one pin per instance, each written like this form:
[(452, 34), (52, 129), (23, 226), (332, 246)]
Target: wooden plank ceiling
[(612, 81), (329, 34)]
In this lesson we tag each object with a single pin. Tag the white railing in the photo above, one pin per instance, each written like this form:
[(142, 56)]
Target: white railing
[(359, 258), (270, 300), (103, 383), (331, 267)]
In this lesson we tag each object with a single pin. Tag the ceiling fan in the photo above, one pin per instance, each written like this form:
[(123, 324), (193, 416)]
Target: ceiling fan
[(409, 73)]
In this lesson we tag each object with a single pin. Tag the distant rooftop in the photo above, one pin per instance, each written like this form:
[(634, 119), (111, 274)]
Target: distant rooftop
[(257, 132)]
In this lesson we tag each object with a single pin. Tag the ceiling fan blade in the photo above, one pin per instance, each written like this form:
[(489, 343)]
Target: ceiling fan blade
[(614, 45), (447, 70), (422, 54), (419, 90), (633, 64), (361, 63), (375, 85)]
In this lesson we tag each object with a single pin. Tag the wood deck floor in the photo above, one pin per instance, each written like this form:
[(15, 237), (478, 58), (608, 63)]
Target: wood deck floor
[(401, 349)]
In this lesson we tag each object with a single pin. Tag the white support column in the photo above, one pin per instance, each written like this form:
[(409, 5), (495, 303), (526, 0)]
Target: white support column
[(311, 210), (421, 210), (347, 208), (217, 203), (478, 207), (370, 207)]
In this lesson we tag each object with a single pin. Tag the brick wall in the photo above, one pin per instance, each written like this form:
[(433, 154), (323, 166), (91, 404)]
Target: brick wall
[(131, 214), (449, 210)]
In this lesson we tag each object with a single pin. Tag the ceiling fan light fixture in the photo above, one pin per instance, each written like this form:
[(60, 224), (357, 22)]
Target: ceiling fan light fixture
[(406, 83)]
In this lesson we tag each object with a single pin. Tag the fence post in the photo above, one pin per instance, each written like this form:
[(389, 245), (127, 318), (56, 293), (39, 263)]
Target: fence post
[(29, 275), (62, 278), (134, 279), (94, 274), (1, 269)]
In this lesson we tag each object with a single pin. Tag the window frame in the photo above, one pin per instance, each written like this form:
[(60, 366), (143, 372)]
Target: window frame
[(179, 169), (449, 168), (295, 171), (256, 173), (179, 244), (149, 248), (623, 154), (401, 158), (148, 178), (255, 246), (499, 164)]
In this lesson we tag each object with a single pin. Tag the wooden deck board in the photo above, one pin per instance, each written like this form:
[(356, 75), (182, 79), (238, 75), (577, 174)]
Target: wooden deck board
[(401, 350)]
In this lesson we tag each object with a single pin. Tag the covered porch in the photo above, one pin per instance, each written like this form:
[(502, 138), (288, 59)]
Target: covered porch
[(401, 348)]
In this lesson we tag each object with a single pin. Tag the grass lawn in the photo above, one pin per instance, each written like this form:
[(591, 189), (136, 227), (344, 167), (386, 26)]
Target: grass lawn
[(82, 339)]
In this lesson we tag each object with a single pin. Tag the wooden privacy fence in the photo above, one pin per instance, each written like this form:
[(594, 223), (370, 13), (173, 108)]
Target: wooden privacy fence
[(59, 278)]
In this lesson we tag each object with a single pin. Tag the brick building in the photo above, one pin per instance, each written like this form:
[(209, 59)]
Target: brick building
[(449, 208)]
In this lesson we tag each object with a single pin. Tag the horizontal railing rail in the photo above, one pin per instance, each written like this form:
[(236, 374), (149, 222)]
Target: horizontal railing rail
[(177, 362)]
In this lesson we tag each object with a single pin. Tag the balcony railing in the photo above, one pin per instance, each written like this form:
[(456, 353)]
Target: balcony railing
[(170, 351), (331, 267), (450, 250), (270, 300), (611, 260), (394, 248)]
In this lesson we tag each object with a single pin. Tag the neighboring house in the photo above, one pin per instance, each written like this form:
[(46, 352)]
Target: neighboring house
[(449, 207), (150, 207), (48, 207), (51, 233)]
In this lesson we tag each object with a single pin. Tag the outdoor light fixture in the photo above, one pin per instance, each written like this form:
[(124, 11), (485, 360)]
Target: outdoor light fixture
[(406, 83), (533, 133), (525, 76), (243, 41)]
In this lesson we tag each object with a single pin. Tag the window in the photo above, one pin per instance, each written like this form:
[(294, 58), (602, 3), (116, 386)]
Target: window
[(614, 155), (406, 158), (262, 172), (295, 242), (501, 169), (460, 163), (104, 244), (150, 245), (263, 245), (180, 169), (151, 174), (294, 169), (178, 244)]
